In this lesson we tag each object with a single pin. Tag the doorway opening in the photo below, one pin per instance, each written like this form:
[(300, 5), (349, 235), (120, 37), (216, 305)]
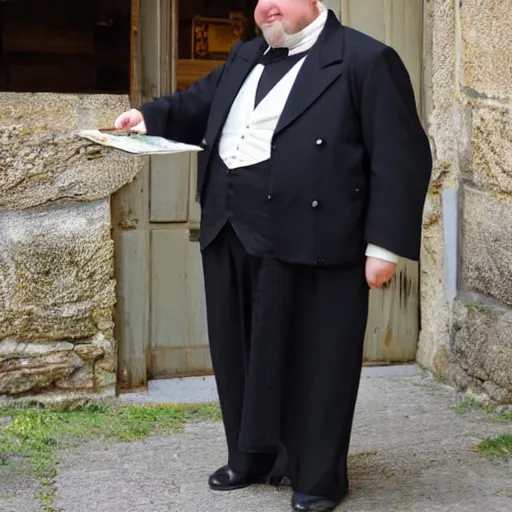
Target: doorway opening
[(206, 32), (72, 46), (161, 313), (161, 319)]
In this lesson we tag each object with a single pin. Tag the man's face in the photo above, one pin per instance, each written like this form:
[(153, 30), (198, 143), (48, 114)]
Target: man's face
[(279, 18)]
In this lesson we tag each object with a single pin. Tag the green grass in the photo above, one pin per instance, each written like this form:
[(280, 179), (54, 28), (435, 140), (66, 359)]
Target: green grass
[(498, 447), (467, 405), (492, 448), (35, 434)]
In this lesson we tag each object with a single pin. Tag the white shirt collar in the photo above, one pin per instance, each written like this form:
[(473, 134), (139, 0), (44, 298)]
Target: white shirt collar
[(302, 41)]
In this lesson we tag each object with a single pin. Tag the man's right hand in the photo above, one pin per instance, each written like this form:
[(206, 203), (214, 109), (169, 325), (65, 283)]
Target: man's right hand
[(130, 120)]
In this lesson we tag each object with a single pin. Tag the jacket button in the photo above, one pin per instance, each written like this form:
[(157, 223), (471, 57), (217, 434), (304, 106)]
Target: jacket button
[(320, 261), (319, 142), (274, 147), (315, 204), (269, 197)]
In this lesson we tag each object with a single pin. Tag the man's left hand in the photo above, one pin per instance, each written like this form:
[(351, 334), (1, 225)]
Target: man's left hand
[(379, 272)]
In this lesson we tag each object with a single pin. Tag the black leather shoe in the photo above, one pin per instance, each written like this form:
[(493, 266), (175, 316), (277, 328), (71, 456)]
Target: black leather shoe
[(305, 503), (225, 479)]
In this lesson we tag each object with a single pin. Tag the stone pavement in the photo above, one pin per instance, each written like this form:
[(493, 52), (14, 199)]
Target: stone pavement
[(410, 453)]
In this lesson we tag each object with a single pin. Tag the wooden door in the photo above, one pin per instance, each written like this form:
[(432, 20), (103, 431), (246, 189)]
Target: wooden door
[(160, 316), (393, 324)]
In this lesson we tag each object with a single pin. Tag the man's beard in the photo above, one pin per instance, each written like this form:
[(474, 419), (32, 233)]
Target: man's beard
[(276, 35)]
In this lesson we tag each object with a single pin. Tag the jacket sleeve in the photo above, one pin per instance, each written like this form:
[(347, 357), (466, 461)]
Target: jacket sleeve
[(399, 154), (183, 115)]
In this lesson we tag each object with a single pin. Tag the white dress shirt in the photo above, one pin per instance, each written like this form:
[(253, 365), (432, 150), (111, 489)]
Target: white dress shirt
[(247, 134), (248, 131)]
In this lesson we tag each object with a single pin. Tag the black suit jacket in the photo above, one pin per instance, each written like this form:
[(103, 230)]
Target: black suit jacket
[(350, 160)]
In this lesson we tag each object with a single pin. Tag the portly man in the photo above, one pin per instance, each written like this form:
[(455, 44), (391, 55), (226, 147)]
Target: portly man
[(312, 184)]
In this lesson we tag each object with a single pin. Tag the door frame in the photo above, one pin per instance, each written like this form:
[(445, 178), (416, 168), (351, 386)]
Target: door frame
[(154, 47), (153, 24)]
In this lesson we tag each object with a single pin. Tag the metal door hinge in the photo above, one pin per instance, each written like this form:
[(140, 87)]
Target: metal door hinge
[(194, 234)]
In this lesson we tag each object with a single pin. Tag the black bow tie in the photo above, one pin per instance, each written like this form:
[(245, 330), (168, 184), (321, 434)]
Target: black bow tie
[(273, 55)]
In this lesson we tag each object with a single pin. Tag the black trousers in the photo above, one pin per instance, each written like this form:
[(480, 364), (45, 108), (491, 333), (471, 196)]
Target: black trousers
[(321, 374)]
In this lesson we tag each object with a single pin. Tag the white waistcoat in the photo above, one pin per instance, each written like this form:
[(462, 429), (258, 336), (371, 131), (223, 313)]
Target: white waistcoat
[(247, 133)]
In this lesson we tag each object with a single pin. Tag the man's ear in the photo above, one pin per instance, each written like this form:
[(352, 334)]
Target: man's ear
[(317, 4)]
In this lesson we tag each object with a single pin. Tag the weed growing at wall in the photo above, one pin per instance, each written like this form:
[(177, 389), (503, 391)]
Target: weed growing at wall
[(34, 435)]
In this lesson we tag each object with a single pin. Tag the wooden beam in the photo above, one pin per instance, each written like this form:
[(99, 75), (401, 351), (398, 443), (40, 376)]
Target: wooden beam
[(166, 66), (131, 241), (131, 256), (136, 54)]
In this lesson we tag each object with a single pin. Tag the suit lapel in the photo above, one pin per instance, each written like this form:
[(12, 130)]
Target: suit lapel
[(323, 65), (233, 80)]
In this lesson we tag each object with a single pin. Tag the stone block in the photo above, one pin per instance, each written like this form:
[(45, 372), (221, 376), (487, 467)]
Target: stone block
[(38, 361), (102, 342), (83, 378), (37, 349), (492, 148), (41, 157), (440, 59), (107, 364), (486, 48), (487, 245), (60, 113), (8, 348), (24, 374), (56, 272), (498, 394), (35, 366), (103, 378), (482, 346), (11, 348), (89, 352), (442, 117), (434, 305)]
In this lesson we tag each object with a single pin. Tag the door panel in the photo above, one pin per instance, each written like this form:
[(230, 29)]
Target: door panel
[(178, 343), (368, 16), (169, 311), (393, 323), (404, 32), (170, 188), (398, 23)]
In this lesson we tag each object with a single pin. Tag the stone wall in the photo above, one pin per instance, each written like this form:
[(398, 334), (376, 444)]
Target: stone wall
[(469, 110), (57, 288)]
